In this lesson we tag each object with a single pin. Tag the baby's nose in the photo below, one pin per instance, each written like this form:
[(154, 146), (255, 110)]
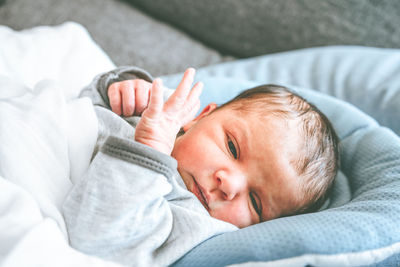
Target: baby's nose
[(230, 184)]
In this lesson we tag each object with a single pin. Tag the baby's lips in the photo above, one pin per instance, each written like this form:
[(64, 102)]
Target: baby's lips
[(204, 195), (199, 193)]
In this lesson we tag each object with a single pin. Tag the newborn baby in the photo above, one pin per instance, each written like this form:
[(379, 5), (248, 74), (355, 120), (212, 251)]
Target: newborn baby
[(160, 184)]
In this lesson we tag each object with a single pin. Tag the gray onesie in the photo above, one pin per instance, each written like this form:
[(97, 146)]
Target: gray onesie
[(132, 206)]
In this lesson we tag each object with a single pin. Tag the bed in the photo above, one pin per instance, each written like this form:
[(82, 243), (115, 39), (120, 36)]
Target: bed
[(42, 71)]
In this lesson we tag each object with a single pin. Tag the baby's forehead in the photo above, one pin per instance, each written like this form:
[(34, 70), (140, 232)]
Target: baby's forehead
[(264, 124), (265, 115)]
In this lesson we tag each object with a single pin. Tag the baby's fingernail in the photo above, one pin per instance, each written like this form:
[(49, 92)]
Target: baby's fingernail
[(191, 70)]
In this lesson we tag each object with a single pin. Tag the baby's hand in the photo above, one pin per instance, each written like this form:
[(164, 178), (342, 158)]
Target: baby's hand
[(160, 123), (129, 97)]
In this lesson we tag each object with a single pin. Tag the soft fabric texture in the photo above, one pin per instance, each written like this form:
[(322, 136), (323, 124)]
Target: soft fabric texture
[(251, 28), (45, 134), (44, 148), (29, 239), (132, 206), (64, 53)]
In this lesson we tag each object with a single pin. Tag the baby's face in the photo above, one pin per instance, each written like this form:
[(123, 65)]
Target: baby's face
[(238, 166)]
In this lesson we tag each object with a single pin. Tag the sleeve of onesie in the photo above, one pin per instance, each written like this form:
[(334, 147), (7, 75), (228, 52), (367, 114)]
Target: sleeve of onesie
[(119, 204)]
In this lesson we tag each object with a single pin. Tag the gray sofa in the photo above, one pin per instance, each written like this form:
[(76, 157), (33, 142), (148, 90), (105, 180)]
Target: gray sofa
[(166, 37)]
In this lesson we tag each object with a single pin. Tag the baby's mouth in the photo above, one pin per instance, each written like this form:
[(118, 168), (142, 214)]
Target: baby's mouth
[(199, 192)]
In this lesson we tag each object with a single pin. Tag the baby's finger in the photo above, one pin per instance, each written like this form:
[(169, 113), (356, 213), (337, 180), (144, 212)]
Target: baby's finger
[(128, 98), (183, 89), (191, 112), (142, 94), (114, 96), (194, 94), (156, 97)]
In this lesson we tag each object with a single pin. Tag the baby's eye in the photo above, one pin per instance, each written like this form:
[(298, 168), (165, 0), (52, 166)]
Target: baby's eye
[(254, 203), (232, 148)]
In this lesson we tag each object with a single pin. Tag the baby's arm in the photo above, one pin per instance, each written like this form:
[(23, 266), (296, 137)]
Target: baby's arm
[(118, 210)]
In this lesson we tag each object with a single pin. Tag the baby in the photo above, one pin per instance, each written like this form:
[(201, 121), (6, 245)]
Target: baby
[(161, 183)]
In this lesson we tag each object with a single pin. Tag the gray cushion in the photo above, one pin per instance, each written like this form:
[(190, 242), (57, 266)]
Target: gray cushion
[(127, 35), (249, 28)]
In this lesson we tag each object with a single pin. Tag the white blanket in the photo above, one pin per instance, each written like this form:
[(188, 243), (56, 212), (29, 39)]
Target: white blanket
[(45, 141), (46, 137)]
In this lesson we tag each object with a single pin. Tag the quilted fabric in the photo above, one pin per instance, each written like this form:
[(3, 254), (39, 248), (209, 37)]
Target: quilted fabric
[(360, 224)]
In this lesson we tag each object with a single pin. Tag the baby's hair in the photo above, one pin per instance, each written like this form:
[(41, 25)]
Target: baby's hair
[(318, 165)]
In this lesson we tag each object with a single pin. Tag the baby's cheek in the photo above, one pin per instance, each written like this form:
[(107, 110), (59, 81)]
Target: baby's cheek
[(234, 214)]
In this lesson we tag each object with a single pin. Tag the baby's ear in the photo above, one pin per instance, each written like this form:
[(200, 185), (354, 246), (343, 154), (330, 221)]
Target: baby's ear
[(207, 110)]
